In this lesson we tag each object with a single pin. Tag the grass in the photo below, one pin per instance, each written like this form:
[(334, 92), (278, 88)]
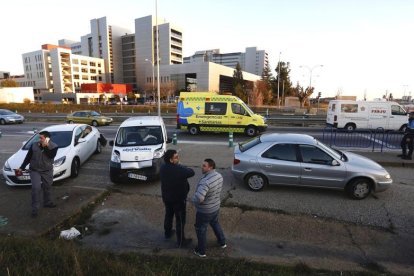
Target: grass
[(40, 256)]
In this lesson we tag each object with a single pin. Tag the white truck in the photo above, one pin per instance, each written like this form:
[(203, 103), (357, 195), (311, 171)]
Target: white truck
[(351, 115)]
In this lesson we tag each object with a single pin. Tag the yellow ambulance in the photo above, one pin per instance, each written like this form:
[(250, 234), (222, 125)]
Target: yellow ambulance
[(210, 111)]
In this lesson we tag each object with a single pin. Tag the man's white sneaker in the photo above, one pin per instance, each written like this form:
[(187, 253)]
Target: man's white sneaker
[(199, 254), (223, 246)]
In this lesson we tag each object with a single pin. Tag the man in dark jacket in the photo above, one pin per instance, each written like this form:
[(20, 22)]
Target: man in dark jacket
[(408, 139), (41, 156), (174, 189)]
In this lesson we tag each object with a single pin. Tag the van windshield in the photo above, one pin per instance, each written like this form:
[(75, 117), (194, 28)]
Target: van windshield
[(139, 136), (248, 109)]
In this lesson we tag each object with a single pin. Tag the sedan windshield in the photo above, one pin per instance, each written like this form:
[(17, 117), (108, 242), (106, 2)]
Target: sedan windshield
[(61, 138), (6, 112), (94, 113)]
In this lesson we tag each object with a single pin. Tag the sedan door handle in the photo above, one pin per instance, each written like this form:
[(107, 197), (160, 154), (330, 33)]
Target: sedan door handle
[(308, 169), (268, 165)]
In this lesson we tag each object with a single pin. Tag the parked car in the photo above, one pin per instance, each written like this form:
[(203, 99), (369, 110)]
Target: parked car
[(302, 160), (89, 117), (9, 117), (76, 143)]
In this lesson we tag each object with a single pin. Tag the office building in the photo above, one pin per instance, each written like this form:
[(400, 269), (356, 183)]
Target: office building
[(252, 61)]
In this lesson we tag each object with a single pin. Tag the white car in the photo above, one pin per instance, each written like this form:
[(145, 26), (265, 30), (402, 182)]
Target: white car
[(75, 145)]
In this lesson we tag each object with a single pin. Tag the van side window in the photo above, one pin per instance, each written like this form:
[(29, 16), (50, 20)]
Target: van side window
[(215, 108), (333, 107), (349, 108), (238, 109), (397, 110)]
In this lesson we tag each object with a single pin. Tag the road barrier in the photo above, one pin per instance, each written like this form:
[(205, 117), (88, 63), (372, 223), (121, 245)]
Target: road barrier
[(376, 139)]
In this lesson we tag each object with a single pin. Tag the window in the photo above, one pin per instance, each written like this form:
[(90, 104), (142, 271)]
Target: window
[(349, 108), (215, 108), (281, 152), (398, 110), (238, 109), (312, 154)]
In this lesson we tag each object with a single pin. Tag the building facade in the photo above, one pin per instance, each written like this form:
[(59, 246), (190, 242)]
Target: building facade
[(54, 69), (252, 61)]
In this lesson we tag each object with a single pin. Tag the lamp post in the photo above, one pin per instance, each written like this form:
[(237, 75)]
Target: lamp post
[(153, 73), (278, 78), (310, 72), (158, 59)]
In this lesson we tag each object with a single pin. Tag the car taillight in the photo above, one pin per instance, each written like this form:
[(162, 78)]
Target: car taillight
[(236, 161)]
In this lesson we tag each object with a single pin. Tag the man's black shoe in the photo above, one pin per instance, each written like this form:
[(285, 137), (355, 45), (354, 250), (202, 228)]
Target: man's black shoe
[(407, 158), (400, 155), (34, 215), (168, 236), (50, 205), (184, 243)]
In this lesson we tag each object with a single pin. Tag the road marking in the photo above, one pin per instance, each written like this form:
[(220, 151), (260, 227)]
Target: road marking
[(90, 188)]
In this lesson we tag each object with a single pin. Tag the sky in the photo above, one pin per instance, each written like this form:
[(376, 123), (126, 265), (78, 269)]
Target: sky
[(365, 46)]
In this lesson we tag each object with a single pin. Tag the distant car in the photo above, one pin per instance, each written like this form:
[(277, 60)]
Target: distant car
[(89, 117), (301, 160), (76, 143), (9, 117)]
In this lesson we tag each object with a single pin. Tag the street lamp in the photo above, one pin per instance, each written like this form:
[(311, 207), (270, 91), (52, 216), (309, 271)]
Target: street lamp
[(310, 72)]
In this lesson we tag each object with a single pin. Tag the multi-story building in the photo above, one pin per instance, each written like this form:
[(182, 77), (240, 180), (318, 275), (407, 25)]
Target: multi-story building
[(170, 40), (252, 61), (55, 69)]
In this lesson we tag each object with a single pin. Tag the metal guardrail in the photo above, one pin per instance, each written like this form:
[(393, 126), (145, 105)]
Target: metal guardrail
[(377, 139), (288, 119)]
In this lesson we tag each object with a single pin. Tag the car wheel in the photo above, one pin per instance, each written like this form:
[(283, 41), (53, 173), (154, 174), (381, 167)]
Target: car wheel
[(256, 181), (350, 127), (2, 122), (193, 130), (70, 122), (98, 147), (74, 169), (359, 188), (251, 131), (95, 123)]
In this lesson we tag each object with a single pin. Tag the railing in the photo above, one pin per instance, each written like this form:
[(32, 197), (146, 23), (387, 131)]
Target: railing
[(377, 139)]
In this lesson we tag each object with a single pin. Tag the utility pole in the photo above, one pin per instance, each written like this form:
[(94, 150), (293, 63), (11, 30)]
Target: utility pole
[(278, 78)]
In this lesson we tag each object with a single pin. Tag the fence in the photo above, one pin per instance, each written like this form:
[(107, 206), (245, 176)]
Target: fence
[(377, 139)]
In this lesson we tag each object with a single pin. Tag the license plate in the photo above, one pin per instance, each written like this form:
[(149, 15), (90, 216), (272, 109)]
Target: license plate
[(137, 176), (24, 177)]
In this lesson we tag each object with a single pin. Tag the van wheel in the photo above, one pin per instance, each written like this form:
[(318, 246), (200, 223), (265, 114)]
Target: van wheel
[(250, 131), (98, 146), (403, 128), (114, 176), (359, 188), (350, 127), (255, 181), (193, 129)]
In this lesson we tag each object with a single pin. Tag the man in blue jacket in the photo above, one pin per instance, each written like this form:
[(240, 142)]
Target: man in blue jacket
[(174, 190), (408, 139), (41, 156)]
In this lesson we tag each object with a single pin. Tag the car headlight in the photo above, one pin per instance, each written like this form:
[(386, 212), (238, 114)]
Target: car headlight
[(158, 153), (103, 120), (387, 176), (7, 167), (59, 162), (116, 157)]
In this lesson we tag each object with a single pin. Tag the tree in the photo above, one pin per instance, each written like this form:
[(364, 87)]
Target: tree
[(302, 94), (263, 89), (9, 83), (239, 88), (256, 97), (285, 85), (167, 89)]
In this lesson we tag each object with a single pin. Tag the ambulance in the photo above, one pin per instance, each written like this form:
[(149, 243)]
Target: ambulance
[(351, 115), (210, 111)]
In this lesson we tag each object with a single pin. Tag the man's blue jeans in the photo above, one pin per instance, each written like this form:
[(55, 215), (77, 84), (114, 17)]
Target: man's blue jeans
[(201, 224)]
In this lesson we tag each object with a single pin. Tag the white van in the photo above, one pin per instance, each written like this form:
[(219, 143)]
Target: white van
[(366, 114), (139, 146)]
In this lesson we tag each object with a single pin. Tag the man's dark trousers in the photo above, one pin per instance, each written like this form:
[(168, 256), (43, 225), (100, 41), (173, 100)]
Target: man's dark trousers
[(177, 209)]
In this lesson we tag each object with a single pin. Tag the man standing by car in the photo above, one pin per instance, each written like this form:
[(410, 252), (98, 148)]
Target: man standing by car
[(174, 190), (41, 157), (408, 139), (207, 201)]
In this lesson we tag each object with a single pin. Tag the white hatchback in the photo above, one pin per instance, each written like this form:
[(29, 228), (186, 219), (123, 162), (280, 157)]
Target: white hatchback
[(76, 143)]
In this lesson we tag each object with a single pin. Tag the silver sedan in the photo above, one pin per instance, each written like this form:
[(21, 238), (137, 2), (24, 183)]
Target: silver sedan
[(301, 160)]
